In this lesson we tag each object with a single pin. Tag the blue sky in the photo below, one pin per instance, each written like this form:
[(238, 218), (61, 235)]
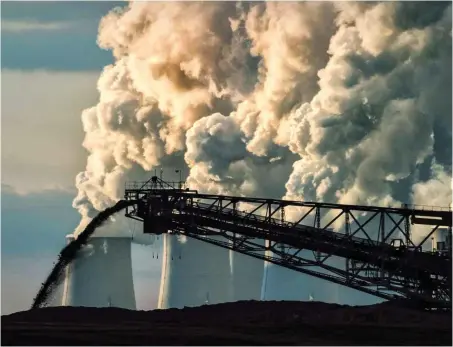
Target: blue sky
[(50, 64), (53, 35)]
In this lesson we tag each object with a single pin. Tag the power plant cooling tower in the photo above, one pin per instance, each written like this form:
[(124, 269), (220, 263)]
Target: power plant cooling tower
[(101, 275), (280, 283), (194, 273), (247, 275)]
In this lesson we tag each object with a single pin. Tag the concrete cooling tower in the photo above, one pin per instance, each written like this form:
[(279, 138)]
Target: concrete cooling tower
[(247, 275), (194, 273), (101, 276), (280, 283)]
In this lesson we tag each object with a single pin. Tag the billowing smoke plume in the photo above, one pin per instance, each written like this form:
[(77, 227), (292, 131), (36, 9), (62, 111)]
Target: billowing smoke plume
[(345, 102), (382, 100), (437, 190)]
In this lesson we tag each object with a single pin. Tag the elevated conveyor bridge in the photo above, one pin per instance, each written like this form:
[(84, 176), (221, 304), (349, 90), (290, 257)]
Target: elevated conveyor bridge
[(367, 248)]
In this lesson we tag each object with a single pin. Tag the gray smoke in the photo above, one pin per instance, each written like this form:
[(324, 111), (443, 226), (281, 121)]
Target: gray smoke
[(375, 119), (345, 102)]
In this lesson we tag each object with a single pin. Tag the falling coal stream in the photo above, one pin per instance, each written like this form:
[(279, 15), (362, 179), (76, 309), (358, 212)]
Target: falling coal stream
[(69, 253)]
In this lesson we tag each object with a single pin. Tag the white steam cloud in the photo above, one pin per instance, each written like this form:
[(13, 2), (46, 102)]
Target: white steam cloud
[(344, 102)]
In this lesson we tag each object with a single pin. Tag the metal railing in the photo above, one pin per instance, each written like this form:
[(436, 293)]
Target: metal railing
[(427, 207), (148, 185)]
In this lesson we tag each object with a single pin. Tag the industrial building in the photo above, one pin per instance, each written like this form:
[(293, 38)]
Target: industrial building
[(101, 275), (441, 241)]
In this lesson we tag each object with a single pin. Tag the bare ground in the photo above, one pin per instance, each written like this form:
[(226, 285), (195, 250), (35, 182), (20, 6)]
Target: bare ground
[(241, 323)]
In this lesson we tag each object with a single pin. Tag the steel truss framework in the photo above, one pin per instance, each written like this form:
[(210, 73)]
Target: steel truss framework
[(378, 253)]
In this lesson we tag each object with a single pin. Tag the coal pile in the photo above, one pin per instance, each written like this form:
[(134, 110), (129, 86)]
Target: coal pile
[(240, 323)]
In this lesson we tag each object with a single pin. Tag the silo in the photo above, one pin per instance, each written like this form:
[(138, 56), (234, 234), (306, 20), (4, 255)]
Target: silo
[(194, 273), (101, 275)]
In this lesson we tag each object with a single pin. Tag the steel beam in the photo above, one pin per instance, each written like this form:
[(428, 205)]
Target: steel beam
[(365, 237)]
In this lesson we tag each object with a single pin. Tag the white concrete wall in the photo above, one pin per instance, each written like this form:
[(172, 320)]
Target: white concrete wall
[(280, 283), (193, 272), (247, 275), (101, 276)]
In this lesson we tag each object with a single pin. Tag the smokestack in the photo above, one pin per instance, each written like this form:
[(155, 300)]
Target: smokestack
[(101, 276)]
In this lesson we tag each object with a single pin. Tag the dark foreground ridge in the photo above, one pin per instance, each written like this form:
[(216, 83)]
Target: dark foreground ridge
[(240, 323)]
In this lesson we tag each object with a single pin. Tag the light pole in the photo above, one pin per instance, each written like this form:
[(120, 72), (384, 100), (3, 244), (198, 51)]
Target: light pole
[(180, 178)]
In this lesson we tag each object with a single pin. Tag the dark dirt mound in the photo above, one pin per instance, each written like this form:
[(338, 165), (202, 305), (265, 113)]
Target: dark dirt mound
[(241, 323)]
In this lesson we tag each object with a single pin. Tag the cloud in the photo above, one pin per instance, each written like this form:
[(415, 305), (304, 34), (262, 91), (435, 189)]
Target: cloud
[(437, 191), (155, 91), (220, 163), (375, 119), (159, 88), (50, 49), (41, 129), (49, 217), (21, 26), (62, 11), (53, 35), (352, 97)]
